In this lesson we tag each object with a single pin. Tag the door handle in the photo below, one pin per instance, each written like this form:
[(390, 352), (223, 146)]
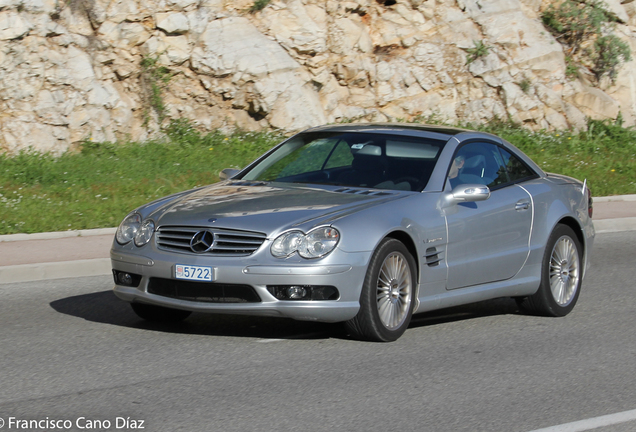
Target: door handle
[(522, 205)]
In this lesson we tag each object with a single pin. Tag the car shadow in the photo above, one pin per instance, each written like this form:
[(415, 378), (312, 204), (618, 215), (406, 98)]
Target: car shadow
[(486, 308), (105, 308)]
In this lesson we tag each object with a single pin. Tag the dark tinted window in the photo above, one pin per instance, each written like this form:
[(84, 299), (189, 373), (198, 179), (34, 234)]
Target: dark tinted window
[(487, 164), (517, 170), (381, 161), (478, 163)]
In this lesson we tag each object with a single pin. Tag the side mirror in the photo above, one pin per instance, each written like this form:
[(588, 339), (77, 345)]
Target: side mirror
[(468, 193), (228, 173)]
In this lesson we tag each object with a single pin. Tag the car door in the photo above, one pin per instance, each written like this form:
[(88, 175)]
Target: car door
[(488, 240)]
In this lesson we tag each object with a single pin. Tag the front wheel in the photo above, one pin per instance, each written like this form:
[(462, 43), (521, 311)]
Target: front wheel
[(387, 298), (159, 313), (561, 276)]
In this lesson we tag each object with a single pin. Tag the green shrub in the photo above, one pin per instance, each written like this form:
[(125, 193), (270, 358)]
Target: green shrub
[(259, 5), (609, 52), (579, 23), (480, 49), (525, 85), (153, 80), (571, 69), (574, 22)]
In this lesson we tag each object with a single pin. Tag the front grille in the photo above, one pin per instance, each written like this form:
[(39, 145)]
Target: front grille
[(208, 292), (226, 242)]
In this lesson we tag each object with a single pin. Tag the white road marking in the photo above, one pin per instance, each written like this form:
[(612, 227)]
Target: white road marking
[(270, 340), (592, 423), (296, 337)]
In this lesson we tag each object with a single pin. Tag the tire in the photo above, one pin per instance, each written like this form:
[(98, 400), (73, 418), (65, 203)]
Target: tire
[(159, 314), (388, 294), (561, 276)]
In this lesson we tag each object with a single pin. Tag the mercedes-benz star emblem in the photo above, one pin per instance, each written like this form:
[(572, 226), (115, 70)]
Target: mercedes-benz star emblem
[(202, 241)]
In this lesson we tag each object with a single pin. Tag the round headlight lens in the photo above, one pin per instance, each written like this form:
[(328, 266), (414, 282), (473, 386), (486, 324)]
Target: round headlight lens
[(319, 242), (286, 244), (128, 228), (144, 234)]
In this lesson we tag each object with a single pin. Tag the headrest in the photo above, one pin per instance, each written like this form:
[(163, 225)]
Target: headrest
[(477, 161)]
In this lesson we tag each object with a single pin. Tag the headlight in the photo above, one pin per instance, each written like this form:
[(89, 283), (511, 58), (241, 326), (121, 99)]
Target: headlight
[(286, 244), (128, 228), (144, 233), (317, 243)]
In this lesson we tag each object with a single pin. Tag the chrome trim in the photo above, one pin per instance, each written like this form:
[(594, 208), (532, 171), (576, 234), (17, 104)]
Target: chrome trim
[(132, 259), (297, 270)]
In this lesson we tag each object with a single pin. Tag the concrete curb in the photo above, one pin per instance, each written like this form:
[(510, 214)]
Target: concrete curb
[(55, 270), (615, 198), (57, 234), (615, 225)]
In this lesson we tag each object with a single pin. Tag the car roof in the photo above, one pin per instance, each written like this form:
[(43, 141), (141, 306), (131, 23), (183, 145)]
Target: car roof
[(398, 128)]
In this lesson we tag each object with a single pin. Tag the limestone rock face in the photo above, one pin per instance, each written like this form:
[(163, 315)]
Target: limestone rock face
[(77, 70)]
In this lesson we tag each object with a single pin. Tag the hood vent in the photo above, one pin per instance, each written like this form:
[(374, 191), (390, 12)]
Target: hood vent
[(432, 257), (363, 192), (247, 183)]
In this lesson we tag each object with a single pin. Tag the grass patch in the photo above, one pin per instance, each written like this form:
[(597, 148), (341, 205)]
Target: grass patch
[(98, 186)]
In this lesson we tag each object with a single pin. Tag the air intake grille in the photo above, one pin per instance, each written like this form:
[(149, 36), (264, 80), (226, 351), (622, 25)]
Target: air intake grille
[(226, 242), (203, 291)]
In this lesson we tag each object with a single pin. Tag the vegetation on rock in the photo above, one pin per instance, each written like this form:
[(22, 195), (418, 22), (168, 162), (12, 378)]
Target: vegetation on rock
[(585, 29)]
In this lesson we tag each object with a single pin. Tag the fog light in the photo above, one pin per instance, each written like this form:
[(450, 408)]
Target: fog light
[(126, 279), (296, 292), (304, 292)]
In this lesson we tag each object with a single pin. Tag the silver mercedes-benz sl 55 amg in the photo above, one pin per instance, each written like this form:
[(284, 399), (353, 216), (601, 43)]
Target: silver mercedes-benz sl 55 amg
[(365, 224)]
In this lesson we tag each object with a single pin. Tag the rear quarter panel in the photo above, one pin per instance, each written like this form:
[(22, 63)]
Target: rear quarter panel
[(557, 200)]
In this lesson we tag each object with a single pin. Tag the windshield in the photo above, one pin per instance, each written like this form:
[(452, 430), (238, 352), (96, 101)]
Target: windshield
[(351, 159)]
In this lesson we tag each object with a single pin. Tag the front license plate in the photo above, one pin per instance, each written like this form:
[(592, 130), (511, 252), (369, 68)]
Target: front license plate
[(195, 273)]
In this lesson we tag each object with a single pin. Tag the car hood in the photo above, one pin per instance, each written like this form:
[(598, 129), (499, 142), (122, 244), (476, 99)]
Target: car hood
[(266, 207)]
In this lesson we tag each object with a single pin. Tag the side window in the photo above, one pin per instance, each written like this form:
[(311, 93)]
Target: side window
[(478, 163), (517, 170)]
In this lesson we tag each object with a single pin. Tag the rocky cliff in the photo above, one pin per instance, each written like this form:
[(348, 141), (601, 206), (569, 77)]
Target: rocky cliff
[(72, 70)]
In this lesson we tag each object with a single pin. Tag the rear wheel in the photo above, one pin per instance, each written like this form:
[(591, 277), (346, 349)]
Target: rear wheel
[(159, 313), (561, 275), (387, 298)]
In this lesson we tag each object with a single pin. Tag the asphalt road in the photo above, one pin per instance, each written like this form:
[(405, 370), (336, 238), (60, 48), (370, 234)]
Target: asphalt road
[(70, 351)]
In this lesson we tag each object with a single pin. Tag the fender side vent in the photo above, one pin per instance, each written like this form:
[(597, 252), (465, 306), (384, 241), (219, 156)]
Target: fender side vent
[(432, 257)]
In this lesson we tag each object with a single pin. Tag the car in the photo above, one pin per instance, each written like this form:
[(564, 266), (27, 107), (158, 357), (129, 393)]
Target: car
[(365, 224)]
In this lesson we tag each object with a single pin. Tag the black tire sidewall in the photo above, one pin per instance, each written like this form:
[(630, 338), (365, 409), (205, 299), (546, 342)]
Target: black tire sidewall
[(368, 297), (545, 291)]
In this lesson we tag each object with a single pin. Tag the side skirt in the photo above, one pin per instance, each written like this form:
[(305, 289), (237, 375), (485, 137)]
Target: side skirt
[(514, 287)]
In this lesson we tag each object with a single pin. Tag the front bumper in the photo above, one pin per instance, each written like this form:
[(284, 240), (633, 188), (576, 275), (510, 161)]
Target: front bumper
[(257, 273)]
